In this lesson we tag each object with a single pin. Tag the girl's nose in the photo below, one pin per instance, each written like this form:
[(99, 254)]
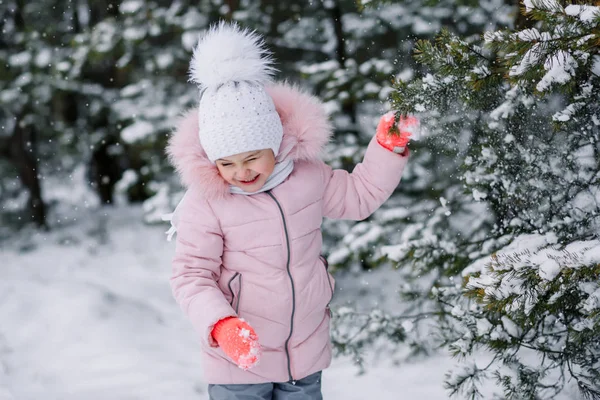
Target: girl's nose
[(243, 174)]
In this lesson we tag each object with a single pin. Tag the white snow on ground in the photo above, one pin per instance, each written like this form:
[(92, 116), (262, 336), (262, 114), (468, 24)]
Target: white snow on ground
[(92, 317), (86, 313)]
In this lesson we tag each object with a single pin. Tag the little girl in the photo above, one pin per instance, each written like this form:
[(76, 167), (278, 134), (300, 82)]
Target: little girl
[(247, 269)]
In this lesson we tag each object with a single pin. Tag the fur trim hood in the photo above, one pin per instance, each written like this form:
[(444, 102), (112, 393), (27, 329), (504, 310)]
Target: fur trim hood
[(306, 130)]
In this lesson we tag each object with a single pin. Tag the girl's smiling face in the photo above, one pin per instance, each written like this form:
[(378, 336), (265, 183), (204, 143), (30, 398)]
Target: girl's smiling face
[(249, 171)]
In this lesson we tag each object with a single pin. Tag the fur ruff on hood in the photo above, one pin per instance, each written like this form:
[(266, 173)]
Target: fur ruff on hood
[(306, 129)]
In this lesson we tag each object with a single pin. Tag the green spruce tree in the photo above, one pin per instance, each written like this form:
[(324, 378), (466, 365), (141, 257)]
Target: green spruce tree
[(508, 260)]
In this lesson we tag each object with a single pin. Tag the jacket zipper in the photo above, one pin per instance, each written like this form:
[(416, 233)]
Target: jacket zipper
[(287, 240)]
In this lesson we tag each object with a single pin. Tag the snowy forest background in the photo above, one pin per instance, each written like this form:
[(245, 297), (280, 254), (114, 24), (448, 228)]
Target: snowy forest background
[(489, 250)]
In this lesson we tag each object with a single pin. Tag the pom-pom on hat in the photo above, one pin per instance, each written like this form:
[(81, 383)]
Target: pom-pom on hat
[(236, 115)]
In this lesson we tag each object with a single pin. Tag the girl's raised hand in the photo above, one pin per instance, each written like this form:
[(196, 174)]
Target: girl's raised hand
[(395, 135)]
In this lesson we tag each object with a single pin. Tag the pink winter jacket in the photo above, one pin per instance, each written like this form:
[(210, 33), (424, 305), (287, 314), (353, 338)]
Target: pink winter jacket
[(258, 257)]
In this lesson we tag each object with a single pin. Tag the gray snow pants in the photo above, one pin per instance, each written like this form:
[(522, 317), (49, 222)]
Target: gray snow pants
[(308, 388)]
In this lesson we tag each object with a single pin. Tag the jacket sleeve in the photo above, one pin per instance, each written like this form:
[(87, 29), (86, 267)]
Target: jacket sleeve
[(197, 266), (358, 194)]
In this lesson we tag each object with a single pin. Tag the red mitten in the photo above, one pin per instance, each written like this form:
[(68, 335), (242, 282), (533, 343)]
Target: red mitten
[(395, 136), (238, 340)]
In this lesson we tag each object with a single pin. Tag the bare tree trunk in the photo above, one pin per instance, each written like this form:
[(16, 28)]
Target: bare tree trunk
[(521, 21), (21, 152), (100, 9), (336, 18), (19, 148), (232, 6), (18, 16), (335, 11), (113, 8), (105, 169), (75, 16)]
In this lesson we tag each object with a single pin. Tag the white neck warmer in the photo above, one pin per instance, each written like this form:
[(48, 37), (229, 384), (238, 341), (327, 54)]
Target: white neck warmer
[(282, 170)]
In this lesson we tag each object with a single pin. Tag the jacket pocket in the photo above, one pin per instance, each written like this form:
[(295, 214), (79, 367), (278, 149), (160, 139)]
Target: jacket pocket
[(235, 289), (330, 280)]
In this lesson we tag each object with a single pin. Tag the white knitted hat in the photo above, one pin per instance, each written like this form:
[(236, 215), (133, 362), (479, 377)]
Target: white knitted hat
[(236, 115)]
